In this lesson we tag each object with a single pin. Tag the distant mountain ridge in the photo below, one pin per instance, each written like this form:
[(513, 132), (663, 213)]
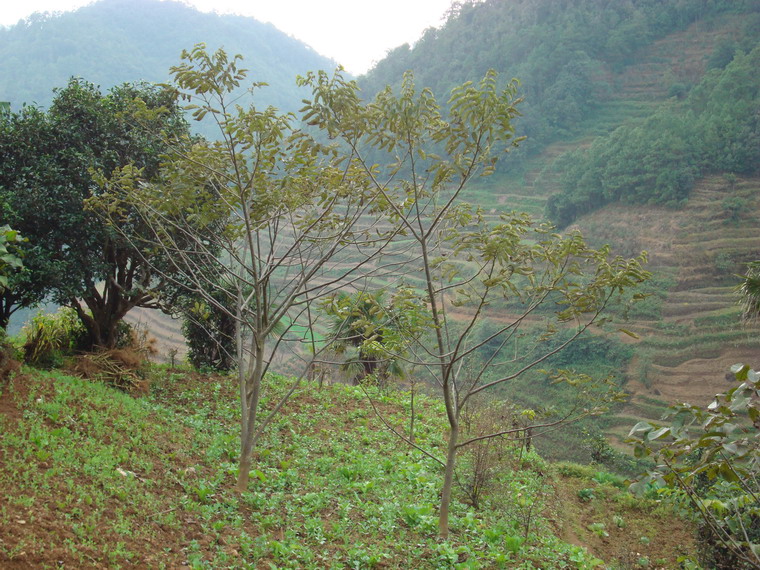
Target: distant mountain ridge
[(115, 41)]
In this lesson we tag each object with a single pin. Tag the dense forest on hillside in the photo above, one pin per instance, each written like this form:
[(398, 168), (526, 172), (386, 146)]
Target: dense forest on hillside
[(116, 41), (657, 160), (566, 55)]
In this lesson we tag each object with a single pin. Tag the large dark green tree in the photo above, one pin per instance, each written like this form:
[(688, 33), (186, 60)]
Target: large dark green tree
[(25, 138), (51, 164)]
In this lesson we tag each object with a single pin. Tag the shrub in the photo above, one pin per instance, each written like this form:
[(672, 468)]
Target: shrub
[(484, 460), (210, 335), (711, 456), (8, 363), (51, 337)]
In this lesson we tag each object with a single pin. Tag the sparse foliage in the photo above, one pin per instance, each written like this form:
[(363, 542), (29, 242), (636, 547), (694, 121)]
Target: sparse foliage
[(256, 222), (462, 263)]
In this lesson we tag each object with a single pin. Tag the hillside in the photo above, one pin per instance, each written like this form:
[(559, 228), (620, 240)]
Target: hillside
[(690, 330), (115, 41), (584, 66), (139, 464), (103, 479), (688, 327)]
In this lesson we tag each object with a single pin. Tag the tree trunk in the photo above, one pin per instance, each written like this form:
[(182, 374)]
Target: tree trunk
[(102, 331), (411, 419), (448, 482), (250, 396), (246, 454)]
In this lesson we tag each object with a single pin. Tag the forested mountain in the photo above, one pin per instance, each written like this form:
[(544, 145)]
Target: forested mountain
[(569, 56), (115, 41), (657, 159)]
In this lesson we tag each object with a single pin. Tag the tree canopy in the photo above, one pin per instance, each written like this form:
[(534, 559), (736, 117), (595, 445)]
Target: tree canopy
[(656, 160), (51, 161)]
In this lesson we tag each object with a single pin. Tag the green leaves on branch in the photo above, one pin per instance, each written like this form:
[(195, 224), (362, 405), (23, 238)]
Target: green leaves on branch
[(10, 254), (219, 75), (712, 456), (481, 114)]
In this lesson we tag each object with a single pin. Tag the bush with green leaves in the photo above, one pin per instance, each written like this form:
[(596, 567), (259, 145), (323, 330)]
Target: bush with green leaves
[(50, 337), (10, 257), (749, 291), (7, 362), (711, 456), (367, 332), (210, 335), (10, 263)]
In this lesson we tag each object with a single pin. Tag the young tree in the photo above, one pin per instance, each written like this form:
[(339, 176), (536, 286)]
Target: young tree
[(749, 292), (48, 163), (363, 331), (294, 220), (461, 265)]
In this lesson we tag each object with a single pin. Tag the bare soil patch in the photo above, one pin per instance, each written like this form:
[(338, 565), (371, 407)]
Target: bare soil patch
[(634, 533)]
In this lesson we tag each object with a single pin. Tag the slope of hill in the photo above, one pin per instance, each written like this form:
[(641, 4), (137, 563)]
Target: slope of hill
[(690, 330), (115, 41), (571, 57), (647, 59), (95, 478)]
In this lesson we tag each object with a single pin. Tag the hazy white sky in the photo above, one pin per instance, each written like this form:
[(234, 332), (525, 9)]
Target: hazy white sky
[(355, 33)]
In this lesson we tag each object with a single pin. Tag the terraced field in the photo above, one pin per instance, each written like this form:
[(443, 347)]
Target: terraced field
[(685, 354), (165, 333)]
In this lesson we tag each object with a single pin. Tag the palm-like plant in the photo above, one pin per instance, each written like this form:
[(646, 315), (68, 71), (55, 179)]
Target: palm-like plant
[(361, 322)]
